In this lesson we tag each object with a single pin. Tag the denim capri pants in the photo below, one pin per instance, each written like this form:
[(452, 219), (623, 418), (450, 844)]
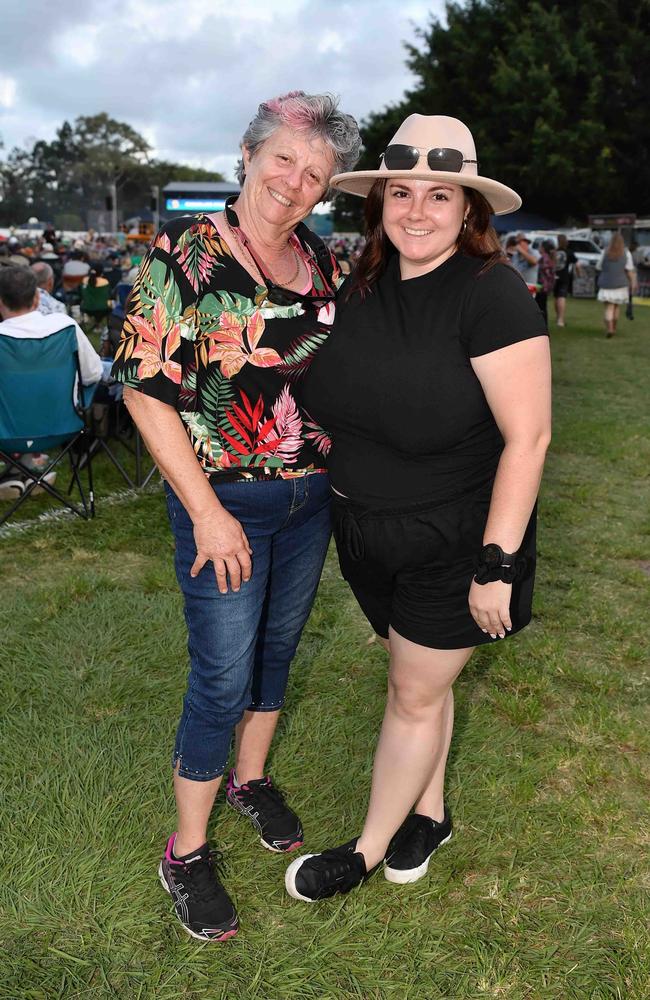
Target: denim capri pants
[(241, 644)]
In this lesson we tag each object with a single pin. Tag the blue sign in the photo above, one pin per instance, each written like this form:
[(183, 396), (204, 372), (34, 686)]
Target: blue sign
[(195, 204)]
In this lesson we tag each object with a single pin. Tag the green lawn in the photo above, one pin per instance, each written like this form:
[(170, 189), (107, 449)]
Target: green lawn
[(542, 893)]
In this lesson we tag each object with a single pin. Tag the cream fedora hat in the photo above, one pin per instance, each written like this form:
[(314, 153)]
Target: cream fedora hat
[(424, 133)]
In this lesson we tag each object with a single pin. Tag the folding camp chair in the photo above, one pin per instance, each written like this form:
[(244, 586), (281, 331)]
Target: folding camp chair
[(40, 411)]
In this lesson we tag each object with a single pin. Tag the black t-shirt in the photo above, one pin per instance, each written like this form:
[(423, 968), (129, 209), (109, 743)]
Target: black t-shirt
[(395, 388), (564, 261)]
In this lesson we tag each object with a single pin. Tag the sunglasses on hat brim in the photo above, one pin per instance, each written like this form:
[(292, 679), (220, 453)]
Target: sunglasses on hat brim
[(399, 157)]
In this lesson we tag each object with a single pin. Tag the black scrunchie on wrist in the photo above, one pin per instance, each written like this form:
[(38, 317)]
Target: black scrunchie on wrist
[(507, 574)]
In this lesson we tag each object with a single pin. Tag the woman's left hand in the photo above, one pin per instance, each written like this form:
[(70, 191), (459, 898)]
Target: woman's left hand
[(489, 604)]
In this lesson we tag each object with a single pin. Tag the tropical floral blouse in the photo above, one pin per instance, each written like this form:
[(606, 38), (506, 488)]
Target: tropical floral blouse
[(200, 334)]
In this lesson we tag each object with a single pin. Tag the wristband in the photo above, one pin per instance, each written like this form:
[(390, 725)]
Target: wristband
[(494, 564)]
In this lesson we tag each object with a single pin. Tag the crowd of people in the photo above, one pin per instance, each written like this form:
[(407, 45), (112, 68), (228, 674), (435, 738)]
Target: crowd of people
[(48, 284), (550, 271)]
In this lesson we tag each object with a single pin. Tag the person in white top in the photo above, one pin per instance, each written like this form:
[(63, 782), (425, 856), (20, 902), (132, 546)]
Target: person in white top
[(45, 279), (19, 302), (19, 310)]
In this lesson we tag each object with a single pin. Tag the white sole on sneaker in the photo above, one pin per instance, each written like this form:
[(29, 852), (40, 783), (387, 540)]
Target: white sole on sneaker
[(401, 876), (199, 937), (290, 878)]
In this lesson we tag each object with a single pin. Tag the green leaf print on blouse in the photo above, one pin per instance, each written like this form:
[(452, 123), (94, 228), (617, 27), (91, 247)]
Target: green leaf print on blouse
[(128, 376), (197, 252), (157, 283), (217, 393), (299, 356), (205, 444)]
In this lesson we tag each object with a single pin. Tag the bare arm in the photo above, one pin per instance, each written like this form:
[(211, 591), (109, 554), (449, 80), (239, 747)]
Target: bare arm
[(516, 381), (529, 255), (218, 535)]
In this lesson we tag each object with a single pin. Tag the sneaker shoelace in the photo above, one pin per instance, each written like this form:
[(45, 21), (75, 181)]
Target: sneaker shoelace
[(340, 869), (203, 874), (267, 796)]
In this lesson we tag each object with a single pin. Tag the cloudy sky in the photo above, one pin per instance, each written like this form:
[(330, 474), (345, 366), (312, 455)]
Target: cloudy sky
[(189, 74)]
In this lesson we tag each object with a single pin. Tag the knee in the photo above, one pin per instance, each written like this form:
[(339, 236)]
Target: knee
[(413, 703)]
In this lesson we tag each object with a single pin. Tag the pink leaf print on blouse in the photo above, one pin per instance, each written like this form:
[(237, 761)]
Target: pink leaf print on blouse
[(162, 242), (288, 427), (229, 347), (322, 440), (157, 344), (194, 257)]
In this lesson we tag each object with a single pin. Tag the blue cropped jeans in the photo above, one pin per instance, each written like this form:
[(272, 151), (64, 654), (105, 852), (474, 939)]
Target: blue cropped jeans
[(241, 644)]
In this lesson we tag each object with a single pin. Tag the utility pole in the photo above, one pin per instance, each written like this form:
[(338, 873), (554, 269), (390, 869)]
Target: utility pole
[(113, 188), (155, 207)]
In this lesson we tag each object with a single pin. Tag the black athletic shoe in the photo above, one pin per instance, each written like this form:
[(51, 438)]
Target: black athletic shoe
[(318, 876), (411, 848), (202, 904), (264, 805)]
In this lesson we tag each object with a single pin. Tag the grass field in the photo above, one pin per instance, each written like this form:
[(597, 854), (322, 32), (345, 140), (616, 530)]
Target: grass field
[(542, 893)]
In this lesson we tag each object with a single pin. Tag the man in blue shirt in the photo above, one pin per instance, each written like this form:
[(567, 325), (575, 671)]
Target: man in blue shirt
[(525, 259)]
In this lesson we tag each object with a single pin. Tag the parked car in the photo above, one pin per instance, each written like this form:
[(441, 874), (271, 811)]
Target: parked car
[(583, 247), (586, 250)]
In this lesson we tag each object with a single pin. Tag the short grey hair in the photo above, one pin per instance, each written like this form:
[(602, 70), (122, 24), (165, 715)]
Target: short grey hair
[(43, 272), (316, 114)]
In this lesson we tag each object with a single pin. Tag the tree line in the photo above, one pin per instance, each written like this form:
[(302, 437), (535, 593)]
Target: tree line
[(557, 96), (67, 179)]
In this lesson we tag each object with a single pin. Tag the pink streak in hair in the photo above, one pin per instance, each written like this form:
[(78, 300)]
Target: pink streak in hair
[(291, 110)]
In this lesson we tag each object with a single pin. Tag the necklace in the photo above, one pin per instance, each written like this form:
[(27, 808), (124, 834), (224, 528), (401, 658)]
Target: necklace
[(244, 245)]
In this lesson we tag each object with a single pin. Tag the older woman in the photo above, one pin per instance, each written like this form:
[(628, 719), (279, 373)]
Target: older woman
[(225, 317), (435, 386)]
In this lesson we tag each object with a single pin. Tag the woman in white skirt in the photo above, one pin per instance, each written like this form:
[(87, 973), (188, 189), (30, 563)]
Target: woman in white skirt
[(616, 279)]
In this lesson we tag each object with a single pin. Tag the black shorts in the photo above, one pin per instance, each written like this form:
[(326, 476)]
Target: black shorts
[(412, 567), (561, 288)]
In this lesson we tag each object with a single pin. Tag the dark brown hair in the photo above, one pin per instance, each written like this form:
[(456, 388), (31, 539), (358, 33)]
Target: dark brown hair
[(477, 238)]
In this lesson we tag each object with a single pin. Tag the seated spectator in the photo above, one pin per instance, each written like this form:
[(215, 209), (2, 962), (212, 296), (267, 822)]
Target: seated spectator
[(95, 298), (19, 301), (75, 269), (51, 257), (45, 280), (16, 253), (113, 270)]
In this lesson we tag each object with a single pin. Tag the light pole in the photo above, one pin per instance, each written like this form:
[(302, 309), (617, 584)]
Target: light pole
[(113, 188), (155, 207)]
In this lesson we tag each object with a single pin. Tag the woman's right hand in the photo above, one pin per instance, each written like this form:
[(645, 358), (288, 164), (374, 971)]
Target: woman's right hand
[(220, 537)]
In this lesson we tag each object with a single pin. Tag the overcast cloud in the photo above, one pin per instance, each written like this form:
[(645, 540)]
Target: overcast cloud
[(189, 74)]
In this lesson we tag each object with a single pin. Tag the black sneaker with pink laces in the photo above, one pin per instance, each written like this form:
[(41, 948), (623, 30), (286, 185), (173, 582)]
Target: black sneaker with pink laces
[(264, 806), (202, 904)]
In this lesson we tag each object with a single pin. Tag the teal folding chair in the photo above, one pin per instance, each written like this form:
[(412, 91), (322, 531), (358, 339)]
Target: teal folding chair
[(38, 412)]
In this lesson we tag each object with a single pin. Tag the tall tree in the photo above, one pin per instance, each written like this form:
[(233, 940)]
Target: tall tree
[(70, 175), (556, 96)]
